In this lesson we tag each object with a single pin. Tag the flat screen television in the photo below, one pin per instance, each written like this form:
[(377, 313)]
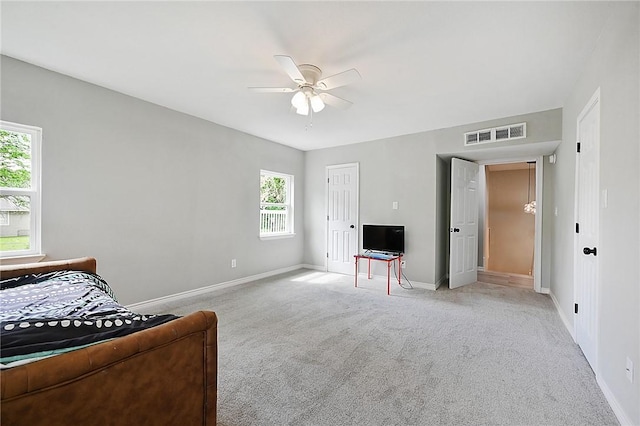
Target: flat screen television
[(383, 238)]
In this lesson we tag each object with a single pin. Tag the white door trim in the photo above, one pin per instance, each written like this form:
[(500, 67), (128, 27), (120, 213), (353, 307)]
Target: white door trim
[(537, 249), (577, 250), (326, 207)]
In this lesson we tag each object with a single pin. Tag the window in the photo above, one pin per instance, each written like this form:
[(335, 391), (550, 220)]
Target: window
[(19, 189), (276, 204)]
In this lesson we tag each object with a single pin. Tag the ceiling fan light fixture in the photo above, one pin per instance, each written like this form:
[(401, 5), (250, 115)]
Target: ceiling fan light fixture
[(309, 82), (530, 207), (304, 108), (316, 103), (299, 100)]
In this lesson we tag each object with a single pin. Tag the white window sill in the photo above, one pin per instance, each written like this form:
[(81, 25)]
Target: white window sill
[(18, 260), (276, 236)]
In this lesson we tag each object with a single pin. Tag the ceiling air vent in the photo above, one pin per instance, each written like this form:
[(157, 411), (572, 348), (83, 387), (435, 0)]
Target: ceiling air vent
[(484, 136), (502, 134), (496, 134)]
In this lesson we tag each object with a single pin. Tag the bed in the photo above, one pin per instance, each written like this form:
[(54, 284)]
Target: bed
[(165, 373)]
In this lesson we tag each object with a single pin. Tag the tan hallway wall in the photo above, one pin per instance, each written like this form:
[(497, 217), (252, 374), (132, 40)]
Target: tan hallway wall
[(511, 230)]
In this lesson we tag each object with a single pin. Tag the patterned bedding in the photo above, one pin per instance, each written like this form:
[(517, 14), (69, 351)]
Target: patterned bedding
[(53, 312)]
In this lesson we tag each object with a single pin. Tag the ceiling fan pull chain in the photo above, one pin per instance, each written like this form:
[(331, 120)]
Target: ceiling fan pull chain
[(310, 125)]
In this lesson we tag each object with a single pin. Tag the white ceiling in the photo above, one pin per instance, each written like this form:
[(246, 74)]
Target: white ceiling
[(424, 65)]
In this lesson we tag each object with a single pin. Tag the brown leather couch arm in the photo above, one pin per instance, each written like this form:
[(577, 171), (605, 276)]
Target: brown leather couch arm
[(163, 375), (87, 264)]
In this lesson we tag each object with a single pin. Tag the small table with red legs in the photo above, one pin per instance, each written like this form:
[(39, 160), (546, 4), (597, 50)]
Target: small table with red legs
[(389, 258)]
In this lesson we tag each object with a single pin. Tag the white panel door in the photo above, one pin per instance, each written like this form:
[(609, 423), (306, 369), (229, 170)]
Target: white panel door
[(342, 218), (463, 241), (587, 230)]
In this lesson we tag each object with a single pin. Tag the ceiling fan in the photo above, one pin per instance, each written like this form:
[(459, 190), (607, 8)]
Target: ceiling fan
[(311, 91)]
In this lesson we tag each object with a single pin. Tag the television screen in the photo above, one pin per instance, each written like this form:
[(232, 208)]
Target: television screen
[(384, 238)]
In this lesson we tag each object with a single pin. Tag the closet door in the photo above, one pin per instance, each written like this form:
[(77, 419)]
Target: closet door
[(342, 218)]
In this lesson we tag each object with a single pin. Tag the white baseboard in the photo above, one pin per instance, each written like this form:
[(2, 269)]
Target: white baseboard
[(151, 304), (430, 286), (622, 416), (314, 267), (544, 290), (441, 281), (564, 319), (383, 278), (426, 286)]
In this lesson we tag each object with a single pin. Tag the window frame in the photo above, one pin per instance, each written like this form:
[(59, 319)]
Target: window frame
[(288, 204), (33, 192)]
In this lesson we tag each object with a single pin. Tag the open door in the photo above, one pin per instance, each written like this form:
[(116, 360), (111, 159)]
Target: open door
[(463, 241)]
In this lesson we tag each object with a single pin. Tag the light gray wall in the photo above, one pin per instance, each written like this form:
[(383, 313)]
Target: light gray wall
[(614, 68), (163, 200), (407, 169), (548, 220), (390, 170)]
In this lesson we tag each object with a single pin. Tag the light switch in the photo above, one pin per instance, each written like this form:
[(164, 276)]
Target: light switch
[(395, 205)]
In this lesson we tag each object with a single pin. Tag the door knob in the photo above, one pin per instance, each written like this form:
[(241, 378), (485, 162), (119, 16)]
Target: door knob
[(455, 229), (589, 251), (352, 226)]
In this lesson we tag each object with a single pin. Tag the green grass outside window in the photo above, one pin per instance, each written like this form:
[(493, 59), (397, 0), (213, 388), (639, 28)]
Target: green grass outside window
[(14, 243)]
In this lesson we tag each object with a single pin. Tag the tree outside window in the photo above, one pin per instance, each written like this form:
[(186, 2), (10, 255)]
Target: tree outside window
[(276, 206), (19, 192)]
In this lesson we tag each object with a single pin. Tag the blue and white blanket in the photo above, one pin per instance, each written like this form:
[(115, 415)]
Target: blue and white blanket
[(56, 311)]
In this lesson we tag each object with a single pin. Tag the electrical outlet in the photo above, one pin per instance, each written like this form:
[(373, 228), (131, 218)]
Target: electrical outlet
[(629, 370), (233, 263)]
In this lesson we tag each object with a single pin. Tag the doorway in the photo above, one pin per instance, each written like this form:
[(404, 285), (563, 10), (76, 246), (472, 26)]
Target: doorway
[(508, 225), (485, 157)]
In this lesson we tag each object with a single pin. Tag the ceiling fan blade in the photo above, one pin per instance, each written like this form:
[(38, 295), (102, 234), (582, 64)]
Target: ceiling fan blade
[(335, 101), (272, 89), (338, 80), (290, 67)]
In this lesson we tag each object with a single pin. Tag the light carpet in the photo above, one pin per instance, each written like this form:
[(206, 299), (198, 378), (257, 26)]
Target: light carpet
[(307, 348)]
